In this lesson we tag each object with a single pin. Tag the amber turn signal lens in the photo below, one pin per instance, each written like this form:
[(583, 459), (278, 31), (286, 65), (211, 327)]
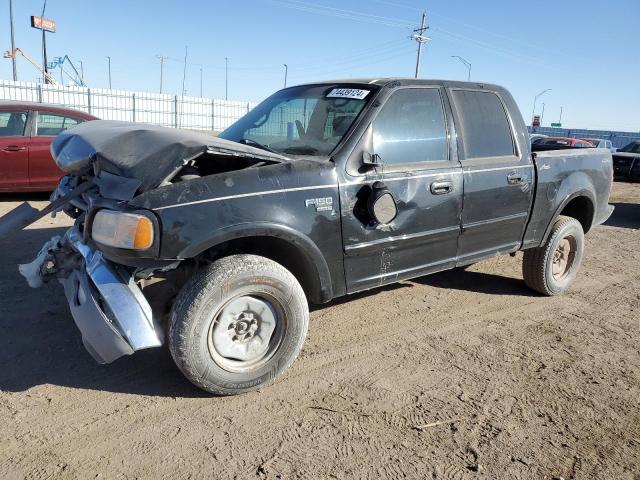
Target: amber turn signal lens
[(144, 234)]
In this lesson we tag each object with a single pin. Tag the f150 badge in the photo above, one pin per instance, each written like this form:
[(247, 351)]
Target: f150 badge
[(324, 204)]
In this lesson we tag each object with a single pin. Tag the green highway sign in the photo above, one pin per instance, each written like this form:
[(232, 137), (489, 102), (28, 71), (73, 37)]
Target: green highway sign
[(556, 125)]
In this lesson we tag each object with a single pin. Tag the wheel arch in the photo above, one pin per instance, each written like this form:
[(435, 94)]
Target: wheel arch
[(284, 245), (579, 205)]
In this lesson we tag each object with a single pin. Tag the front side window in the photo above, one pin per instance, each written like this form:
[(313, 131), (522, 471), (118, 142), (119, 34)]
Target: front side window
[(12, 123), (305, 120), (484, 124), (410, 128), (50, 124)]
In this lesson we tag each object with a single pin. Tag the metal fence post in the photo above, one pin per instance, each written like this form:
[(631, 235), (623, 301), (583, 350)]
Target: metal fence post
[(213, 115), (89, 101), (133, 106), (175, 111)]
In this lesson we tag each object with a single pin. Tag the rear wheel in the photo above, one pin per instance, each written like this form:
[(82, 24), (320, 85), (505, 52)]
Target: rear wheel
[(551, 268), (238, 324)]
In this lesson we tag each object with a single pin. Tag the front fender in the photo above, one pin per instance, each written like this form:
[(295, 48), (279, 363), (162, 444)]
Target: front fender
[(302, 245)]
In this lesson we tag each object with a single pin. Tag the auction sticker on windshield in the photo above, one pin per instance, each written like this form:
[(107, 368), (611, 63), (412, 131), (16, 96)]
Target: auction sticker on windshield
[(354, 93)]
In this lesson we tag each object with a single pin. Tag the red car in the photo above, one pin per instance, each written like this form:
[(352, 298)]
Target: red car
[(26, 132), (563, 142)]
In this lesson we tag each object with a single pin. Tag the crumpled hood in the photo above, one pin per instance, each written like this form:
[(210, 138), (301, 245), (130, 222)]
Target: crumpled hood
[(144, 152)]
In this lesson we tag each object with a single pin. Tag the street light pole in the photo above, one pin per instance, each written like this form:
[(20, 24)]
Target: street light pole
[(109, 66), (286, 70), (226, 78), (535, 101), (466, 64), (200, 82), (13, 43), (542, 114)]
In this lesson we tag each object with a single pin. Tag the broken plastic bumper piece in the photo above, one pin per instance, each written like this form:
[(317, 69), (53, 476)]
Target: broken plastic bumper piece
[(107, 305)]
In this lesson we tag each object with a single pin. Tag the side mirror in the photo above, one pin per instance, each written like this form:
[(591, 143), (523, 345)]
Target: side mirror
[(370, 158), (381, 205)]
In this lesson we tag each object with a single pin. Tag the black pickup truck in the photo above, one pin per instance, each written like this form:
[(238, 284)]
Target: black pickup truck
[(215, 245)]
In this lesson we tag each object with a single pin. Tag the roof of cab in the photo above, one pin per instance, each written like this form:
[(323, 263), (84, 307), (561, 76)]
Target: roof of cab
[(406, 81)]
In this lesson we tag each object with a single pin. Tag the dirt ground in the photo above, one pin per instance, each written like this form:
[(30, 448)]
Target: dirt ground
[(463, 374)]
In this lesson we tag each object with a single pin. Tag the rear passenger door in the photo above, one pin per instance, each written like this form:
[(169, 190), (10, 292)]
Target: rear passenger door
[(43, 172), (497, 175), (410, 134), (14, 150)]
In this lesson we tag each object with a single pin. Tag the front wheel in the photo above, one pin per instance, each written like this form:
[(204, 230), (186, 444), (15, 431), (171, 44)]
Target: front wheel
[(238, 324), (551, 268)]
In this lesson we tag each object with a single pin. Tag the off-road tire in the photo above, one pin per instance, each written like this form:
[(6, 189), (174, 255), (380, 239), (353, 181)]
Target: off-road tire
[(206, 293), (537, 264)]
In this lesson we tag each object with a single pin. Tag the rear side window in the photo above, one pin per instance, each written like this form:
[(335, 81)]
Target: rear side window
[(12, 123), (484, 124), (50, 124), (410, 128)]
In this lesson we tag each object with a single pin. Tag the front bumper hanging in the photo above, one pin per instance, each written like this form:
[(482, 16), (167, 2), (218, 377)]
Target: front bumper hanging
[(107, 305)]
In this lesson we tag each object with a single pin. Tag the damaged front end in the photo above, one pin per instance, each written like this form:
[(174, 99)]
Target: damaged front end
[(108, 307), (112, 253)]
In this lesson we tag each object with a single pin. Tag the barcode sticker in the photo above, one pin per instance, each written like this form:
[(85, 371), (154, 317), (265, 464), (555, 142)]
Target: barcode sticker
[(354, 93)]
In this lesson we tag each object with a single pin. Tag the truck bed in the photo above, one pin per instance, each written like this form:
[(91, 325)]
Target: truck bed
[(563, 175)]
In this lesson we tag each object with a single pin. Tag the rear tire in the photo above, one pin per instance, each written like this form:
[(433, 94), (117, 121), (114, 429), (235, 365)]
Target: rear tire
[(551, 268), (238, 324)]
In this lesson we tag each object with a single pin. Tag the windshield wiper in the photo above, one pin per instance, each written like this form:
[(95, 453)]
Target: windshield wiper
[(253, 143)]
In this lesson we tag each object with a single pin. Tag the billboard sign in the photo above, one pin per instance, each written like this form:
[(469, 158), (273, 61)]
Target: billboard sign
[(43, 24), (536, 121)]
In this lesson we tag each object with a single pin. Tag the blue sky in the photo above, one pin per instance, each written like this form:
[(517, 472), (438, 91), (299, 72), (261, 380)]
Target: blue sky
[(587, 52)]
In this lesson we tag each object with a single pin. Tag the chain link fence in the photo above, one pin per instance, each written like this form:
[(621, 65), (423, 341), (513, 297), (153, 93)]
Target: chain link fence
[(192, 113)]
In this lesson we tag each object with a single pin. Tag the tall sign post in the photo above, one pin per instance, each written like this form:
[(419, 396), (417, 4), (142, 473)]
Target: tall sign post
[(46, 25)]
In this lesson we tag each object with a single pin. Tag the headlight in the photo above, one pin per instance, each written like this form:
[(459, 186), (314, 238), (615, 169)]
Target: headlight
[(122, 230)]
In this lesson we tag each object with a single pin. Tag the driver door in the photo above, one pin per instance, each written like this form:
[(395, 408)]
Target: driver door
[(410, 138)]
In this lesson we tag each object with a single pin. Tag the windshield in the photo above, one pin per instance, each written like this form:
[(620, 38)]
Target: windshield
[(633, 147), (305, 120)]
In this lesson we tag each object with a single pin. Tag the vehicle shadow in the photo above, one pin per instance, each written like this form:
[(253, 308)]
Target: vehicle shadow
[(626, 215), (489, 283), (25, 197), (40, 344)]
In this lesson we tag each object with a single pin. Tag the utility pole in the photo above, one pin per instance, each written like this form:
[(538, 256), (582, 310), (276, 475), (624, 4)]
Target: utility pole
[(466, 64), (13, 43), (418, 36), (44, 46), (162, 59), (535, 100), (200, 82), (226, 78), (184, 70), (286, 70), (109, 65)]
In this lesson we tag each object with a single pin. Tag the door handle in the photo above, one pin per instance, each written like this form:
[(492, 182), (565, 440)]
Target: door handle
[(14, 148), (515, 178), (441, 188)]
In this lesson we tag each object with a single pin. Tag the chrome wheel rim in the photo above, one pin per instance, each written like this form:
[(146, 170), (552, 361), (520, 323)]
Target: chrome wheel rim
[(245, 333), (563, 257)]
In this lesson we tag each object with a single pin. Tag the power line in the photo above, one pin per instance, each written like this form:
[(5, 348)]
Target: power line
[(341, 13)]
